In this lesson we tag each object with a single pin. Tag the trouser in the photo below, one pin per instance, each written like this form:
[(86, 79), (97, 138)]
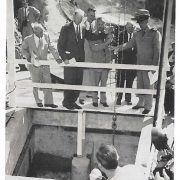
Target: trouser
[(86, 82), (72, 76), (143, 82), (41, 75), (122, 76), (99, 77), (169, 100)]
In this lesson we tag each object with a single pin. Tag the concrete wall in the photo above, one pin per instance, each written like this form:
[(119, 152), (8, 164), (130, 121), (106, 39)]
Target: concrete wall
[(17, 131), (131, 123), (26, 158), (55, 140)]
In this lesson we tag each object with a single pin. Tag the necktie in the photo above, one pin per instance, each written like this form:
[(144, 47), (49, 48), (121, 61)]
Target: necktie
[(90, 28), (25, 12), (130, 36), (78, 35), (40, 47)]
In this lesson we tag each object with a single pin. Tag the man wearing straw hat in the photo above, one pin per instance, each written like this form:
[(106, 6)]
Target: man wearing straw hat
[(147, 41)]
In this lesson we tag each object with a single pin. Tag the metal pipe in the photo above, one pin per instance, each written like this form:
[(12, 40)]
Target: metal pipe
[(159, 107)]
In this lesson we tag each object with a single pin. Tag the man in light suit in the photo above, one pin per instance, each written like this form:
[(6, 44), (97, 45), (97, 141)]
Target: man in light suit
[(26, 16), (35, 47), (89, 26), (71, 45), (100, 54)]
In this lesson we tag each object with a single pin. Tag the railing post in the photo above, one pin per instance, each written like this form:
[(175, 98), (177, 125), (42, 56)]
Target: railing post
[(80, 133), (159, 107), (11, 52)]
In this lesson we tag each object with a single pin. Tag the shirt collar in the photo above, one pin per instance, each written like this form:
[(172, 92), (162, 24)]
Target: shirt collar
[(75, 25), (147, 29)]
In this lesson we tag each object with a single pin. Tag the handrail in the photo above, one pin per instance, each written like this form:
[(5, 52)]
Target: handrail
[(21, 84), (54, 64)]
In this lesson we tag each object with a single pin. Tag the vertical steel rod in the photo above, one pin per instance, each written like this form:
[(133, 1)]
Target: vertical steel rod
[(159, 107)]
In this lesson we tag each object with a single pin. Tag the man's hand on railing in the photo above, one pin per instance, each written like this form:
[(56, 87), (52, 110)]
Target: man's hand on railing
[(29, 59), (158, 177), (59, 61), (66, 61)]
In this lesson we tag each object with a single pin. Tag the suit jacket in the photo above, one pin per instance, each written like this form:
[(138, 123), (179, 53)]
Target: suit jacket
[(29, 47), (148, 46), (100, 52), (129, 55), (32, 15), (68, 46)]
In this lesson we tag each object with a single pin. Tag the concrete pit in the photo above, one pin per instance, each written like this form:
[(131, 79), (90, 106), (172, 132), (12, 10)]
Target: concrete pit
[(48, 151)]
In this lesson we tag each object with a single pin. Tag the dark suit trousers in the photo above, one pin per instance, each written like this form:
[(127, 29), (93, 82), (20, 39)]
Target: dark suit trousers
[(72, 76), (169, 100), (122, 76)]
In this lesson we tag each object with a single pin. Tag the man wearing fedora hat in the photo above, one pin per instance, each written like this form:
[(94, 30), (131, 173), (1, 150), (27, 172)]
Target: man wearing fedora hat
[(147, 41)]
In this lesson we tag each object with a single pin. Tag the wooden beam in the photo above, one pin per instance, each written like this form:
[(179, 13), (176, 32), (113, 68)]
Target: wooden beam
[(11, 51), (86, 110), (54, 64), (20, 84), (80, 134)]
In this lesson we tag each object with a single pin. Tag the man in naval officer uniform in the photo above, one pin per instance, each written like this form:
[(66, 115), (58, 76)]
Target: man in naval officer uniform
[(147, 41)]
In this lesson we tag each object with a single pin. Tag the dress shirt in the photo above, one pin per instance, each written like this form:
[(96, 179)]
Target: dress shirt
[(36, 39), (80, 29), (130, 35)]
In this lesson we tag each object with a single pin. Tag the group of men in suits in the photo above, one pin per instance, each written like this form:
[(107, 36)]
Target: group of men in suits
[(78, 40), (147, 42), (88, 41)]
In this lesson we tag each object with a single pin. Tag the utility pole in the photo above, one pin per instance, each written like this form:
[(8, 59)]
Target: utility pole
[(159, 107), (11, 51)]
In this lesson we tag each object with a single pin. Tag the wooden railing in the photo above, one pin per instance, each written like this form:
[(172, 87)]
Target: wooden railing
[(54, 64)]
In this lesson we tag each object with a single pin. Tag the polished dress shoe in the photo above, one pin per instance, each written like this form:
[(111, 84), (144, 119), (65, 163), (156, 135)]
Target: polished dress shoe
[(39, 104), (105, 104), (95, 104), (81, 101), (137, 107), (118, 102), (76, 106), (51, 105), (69, 106), (146, 111), (129, 103)]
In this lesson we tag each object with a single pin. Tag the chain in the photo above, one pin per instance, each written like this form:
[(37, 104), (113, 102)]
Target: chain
[(114, 118), (114, 127)]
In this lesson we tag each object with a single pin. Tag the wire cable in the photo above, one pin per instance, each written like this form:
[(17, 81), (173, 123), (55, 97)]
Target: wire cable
[(12, 90)]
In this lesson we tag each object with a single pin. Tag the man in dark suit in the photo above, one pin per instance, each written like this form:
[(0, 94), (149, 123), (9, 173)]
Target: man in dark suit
[(26, 16), (71, 45), (126, 57)]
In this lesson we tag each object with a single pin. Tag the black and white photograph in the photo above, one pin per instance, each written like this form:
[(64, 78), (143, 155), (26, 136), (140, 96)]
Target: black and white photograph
[(90, 89)]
